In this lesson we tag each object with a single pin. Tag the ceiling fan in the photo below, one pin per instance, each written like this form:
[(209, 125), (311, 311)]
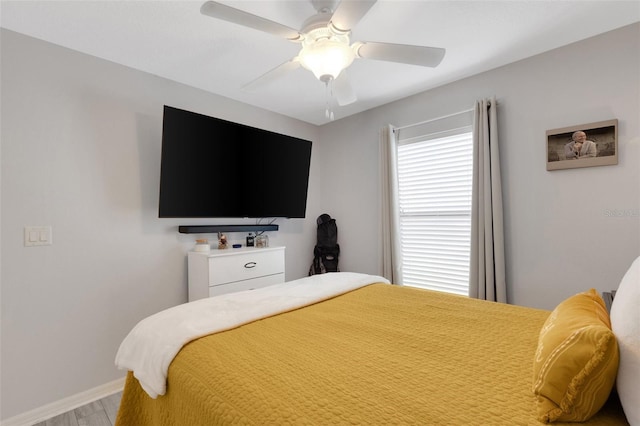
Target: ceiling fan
[(326, 50)]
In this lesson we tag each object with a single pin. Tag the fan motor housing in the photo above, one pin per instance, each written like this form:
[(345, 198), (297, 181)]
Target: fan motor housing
[(317, 21)]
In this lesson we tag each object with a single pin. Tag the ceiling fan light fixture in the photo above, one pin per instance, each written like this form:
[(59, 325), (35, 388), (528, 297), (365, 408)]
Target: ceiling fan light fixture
[(325, 44), (326, 57)]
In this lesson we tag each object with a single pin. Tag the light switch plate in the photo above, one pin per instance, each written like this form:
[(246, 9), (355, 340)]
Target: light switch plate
[(37, 236)]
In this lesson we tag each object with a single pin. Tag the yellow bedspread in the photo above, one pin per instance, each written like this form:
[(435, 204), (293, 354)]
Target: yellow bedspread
[(380, 355)]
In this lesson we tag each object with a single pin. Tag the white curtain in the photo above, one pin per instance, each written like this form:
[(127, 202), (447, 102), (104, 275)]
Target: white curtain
[(487, 268), (390, 212)]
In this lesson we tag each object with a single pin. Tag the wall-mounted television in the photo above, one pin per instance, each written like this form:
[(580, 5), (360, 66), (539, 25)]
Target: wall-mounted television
[(213, 168)]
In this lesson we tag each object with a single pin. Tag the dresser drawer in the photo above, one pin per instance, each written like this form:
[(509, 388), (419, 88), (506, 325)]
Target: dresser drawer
[(251, 284), (230, 270), (245, 266)]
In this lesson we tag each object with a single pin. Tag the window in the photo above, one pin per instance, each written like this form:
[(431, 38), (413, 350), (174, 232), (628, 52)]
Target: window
[(434, 195)]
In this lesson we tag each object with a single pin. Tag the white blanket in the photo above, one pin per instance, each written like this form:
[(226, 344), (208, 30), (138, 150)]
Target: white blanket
[(153, 343)]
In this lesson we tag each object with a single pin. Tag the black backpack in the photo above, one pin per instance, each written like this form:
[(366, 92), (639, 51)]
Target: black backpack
[(327, 250)]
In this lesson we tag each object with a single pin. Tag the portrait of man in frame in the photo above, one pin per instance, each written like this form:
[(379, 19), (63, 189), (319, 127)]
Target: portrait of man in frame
[(584, 145)]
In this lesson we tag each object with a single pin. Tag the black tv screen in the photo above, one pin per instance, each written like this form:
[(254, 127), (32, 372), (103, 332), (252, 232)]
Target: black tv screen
[(213, 168)]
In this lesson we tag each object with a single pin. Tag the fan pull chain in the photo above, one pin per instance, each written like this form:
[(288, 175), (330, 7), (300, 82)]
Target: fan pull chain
[(328, 112)]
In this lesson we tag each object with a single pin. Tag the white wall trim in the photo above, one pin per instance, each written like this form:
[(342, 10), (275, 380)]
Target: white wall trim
[(67, 404)]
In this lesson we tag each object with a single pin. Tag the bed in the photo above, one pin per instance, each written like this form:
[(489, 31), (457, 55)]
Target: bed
[(368, 353)]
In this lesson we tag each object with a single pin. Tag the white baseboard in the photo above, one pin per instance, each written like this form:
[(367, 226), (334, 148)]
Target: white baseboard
[(67, 404)]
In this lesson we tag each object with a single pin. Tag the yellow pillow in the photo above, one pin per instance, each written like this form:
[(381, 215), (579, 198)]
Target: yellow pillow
[(576, 362)]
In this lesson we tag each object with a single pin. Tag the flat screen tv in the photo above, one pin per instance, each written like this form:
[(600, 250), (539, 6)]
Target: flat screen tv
[(212, 168)]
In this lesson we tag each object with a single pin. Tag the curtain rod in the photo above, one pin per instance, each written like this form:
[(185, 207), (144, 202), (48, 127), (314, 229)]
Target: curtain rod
[(433, 119)]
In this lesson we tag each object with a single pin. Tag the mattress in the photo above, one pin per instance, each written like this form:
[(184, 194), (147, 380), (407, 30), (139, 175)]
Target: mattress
[(378, 355)]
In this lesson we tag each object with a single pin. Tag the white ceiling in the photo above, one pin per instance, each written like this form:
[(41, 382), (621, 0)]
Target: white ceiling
[(172, 39)]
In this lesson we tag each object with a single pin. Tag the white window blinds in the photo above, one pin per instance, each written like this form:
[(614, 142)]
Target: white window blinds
[(434, 191)]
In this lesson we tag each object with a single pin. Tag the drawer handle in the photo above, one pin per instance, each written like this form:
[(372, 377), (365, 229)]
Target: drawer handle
[(250, 265)]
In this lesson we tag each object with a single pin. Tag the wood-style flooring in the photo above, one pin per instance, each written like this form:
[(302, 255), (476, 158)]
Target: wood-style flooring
[(98, 413)]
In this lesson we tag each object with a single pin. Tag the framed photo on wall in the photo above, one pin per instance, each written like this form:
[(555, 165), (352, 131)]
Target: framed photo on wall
[(584, 145)]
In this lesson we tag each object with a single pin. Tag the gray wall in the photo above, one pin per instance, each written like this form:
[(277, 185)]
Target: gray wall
[(81, 153), (567, 230), (81, 150)]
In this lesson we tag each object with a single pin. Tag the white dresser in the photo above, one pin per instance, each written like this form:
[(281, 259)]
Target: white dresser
[(230, 270)]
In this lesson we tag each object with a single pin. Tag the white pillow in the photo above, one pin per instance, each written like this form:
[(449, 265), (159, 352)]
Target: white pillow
[(625, 322)]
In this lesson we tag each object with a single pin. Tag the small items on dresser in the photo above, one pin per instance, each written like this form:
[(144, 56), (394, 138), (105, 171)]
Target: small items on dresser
[(262, 241), (222, 242), (202, 246)]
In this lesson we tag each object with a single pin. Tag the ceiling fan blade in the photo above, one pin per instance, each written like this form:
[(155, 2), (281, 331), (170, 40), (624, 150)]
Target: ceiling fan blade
[(349, 13), (343, 90), (273, 75), (237, 16), (403, 53)]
